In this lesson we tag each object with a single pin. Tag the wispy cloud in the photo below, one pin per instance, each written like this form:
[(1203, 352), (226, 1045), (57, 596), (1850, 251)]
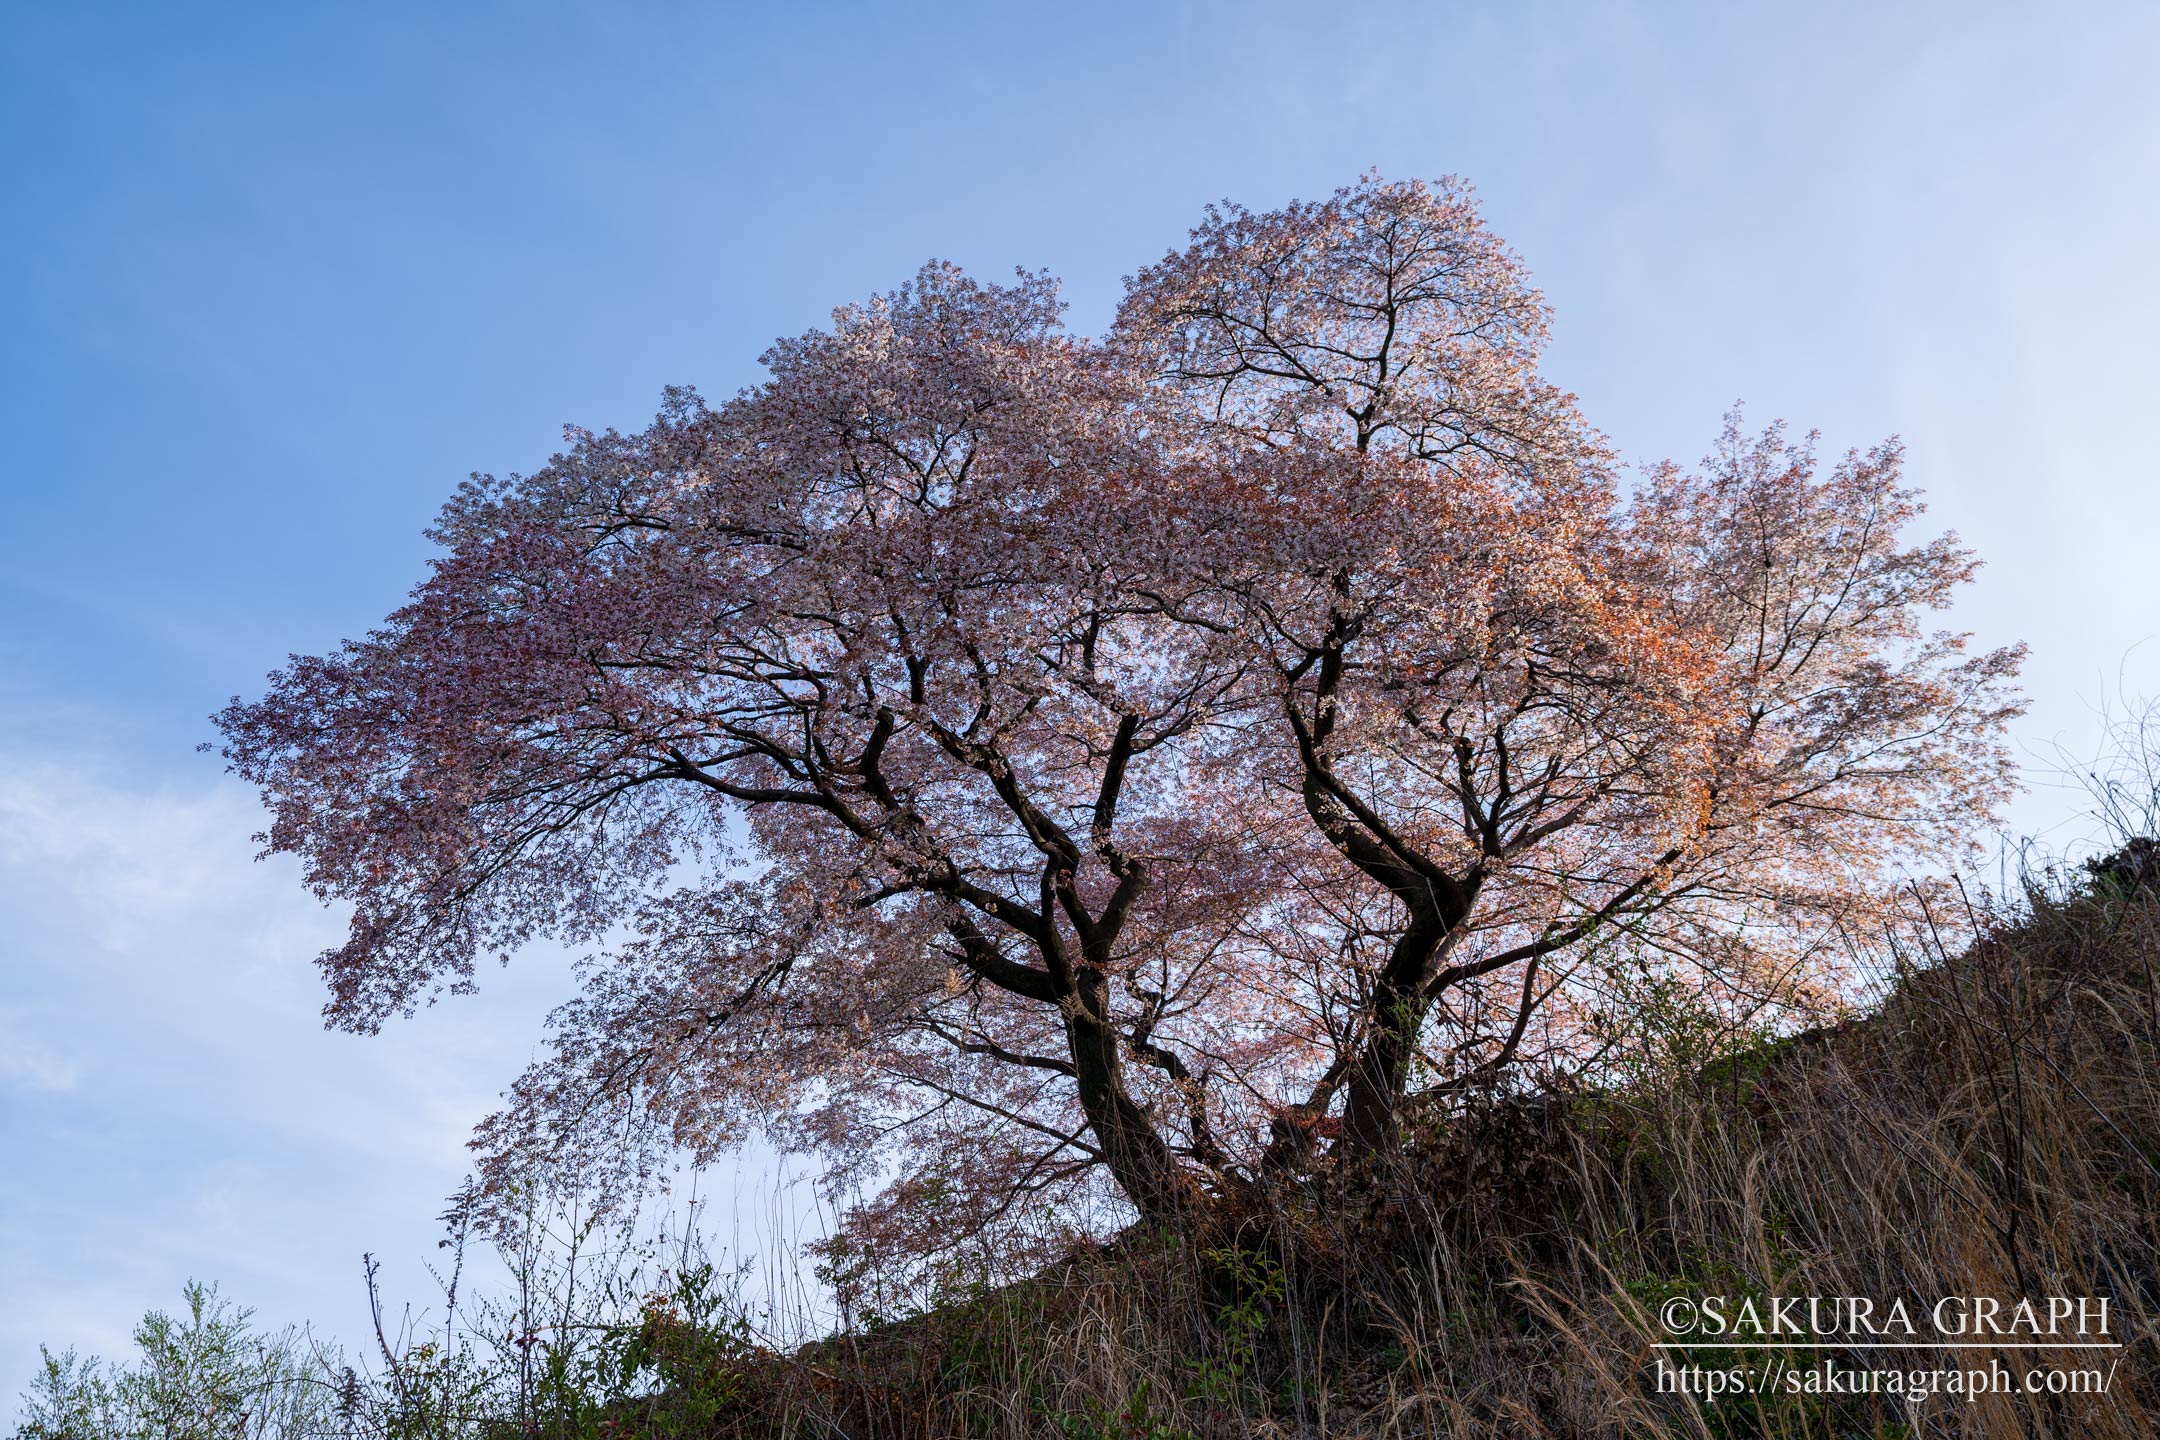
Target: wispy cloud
[(29, 1065), (169, 1101)]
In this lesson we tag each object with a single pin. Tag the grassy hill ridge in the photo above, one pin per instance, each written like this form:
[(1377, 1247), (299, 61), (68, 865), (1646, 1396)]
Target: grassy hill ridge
[(1991, 1129)]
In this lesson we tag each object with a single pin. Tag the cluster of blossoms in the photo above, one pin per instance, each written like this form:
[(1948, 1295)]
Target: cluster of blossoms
[(1021, 768)]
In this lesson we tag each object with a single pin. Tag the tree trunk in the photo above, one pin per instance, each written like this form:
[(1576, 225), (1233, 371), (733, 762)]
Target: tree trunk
[(1134, 1152), (1376, 1082)]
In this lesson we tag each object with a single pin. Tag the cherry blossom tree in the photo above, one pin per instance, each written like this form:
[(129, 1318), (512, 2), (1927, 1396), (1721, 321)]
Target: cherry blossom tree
[(1028, 771), (865, 642), (1701, 723)]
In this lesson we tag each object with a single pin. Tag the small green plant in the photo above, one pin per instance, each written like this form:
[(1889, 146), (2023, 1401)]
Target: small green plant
[(1254, 1281), (204, 1373), (1136, 1419)]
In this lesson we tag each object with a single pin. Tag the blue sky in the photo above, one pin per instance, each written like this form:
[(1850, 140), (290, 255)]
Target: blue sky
[(273, 280)]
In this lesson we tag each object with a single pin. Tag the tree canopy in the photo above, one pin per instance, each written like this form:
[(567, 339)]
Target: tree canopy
[(1021, 768)]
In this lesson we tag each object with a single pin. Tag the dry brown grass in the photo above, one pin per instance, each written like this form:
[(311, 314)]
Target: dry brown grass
[(1992, 1129)]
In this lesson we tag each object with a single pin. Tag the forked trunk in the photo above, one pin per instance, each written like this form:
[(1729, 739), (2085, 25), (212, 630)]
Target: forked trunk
[(1132, 1149)]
